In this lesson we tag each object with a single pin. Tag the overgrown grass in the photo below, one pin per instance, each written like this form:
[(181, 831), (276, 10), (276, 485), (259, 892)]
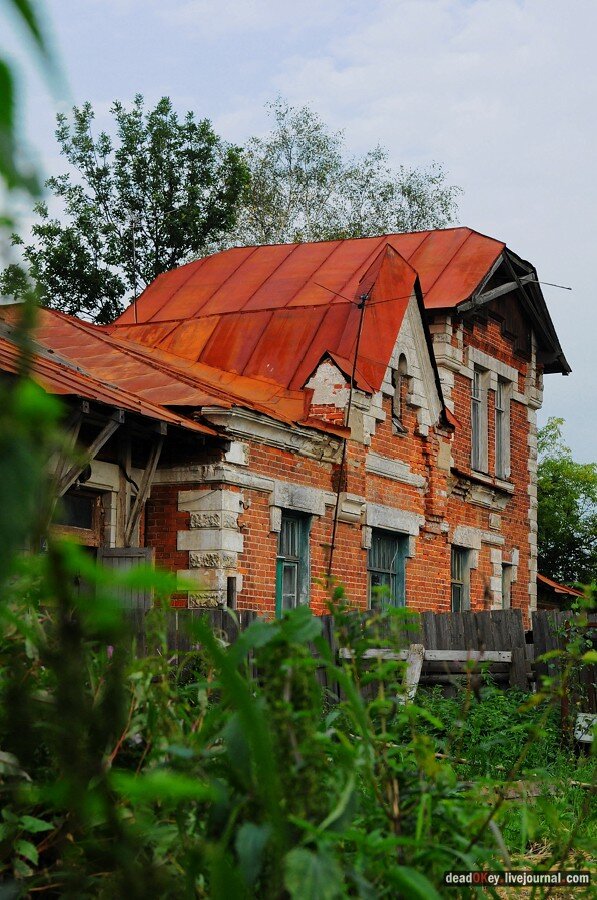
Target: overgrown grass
[(132, 777)]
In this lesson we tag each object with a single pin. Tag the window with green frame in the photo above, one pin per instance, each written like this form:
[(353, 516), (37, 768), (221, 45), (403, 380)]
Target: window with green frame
[(460, 581), (386, 566), (292, 564)]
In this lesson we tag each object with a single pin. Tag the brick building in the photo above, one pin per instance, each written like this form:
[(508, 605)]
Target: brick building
[(368, 407)]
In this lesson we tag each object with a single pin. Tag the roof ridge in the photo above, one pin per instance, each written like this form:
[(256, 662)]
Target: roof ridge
[(363, 237)]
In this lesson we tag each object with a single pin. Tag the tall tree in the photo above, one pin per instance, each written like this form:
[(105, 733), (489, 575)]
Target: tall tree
[(567, 515), (157, 194), (303, 187)]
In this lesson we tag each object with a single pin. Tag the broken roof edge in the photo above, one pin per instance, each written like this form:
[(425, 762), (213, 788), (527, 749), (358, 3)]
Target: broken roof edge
[(559, 356)]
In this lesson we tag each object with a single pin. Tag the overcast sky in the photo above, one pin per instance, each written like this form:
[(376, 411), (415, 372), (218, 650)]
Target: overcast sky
[(503, 93)]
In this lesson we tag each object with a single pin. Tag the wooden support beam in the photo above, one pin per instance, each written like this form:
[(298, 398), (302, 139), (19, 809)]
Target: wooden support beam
[(103, 437), (414, 665), (503, 656), (71, 436), (144, 488)]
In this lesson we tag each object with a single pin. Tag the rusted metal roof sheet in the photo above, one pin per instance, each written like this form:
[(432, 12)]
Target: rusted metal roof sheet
[(154, 377), (558, 588), (276, 311), (56, 377)]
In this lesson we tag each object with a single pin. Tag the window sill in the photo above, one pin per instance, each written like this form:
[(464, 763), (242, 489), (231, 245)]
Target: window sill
[(481, 478)]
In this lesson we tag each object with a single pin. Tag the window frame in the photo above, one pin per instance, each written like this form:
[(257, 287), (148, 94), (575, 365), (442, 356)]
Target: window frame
[(87, 537), (297, 562), (395, 573), (479, 423), (507, 580), (460, 577), (502, 428)]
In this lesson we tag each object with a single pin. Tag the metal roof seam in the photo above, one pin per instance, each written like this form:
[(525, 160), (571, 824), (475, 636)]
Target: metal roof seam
[(294, 248), (448, 263), (196, 264), (312, 274), (87, 384), (145, 355), (228, 277)]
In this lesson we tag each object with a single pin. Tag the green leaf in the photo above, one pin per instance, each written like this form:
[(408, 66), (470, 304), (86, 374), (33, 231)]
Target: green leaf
[(413, 884), (341, 806), (24, 9), (312, 876), (161, 785), (34, 825), (250, 843), (300, 625), (590, 657), (27, 850), (6, 101)]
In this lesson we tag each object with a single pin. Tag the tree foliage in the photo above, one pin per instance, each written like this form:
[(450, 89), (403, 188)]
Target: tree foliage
[(133, 206), (303, 187), (567, 515)]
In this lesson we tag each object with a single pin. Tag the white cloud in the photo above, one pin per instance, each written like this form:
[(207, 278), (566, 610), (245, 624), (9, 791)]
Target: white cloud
[(502, 92)]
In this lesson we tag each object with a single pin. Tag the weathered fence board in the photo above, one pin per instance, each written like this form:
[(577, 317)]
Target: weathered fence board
[(496, 639)]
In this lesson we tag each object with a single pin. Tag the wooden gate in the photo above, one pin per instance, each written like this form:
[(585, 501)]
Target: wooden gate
[(122, 559)]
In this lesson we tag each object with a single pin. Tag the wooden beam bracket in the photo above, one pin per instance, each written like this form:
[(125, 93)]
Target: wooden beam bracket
[(144, 488), (66, 481)]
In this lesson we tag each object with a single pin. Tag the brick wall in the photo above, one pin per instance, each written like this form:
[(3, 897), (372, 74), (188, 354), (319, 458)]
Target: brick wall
[(428, 477)]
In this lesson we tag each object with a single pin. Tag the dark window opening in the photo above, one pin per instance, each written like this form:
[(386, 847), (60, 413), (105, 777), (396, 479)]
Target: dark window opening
[(76, 511), (400, 385), (386, 566)]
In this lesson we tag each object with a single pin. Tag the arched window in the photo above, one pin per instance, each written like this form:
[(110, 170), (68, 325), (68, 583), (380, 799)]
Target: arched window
[(400, 385)]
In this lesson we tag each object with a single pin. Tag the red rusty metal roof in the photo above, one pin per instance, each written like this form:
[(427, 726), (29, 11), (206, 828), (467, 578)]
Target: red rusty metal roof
[(57, 376), (558, 588), (276, 311), (87, 360)]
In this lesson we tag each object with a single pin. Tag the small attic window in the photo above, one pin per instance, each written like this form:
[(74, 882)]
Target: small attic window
[(400, 385)]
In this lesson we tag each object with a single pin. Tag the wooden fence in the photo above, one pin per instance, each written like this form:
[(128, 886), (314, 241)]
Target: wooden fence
[(496, 640)]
